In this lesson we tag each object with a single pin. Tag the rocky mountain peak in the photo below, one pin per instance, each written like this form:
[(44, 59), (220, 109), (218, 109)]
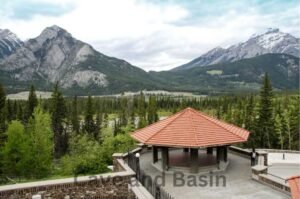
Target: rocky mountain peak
[(272, 30), (9, 43), (271, 41), (52, 32)]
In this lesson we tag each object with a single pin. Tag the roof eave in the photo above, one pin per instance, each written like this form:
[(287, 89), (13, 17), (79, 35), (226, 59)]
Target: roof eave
[(190, 146)]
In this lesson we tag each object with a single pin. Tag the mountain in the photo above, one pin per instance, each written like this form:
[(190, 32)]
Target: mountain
[(56, 56), (9, 42), (272, 41), (241, 75)]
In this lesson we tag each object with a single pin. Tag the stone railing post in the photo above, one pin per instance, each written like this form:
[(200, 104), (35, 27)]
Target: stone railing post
[(116, 166), (262, 158), (257, 170)]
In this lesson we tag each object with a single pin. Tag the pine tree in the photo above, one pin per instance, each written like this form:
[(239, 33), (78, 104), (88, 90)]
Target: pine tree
[(10, 111), (116, 128), (286, 130), (97, 134), (239, 115), (249, 115), (219, 112), (278, 130), (294, 120), (123, 113), (15, 110), (31, 104), (141, 111), (2, 97), (2, 115), (152, 110), (58, 115), (265, 123), (20, 114), (74, 117), (131, 114), (105, 120), (89, 124)]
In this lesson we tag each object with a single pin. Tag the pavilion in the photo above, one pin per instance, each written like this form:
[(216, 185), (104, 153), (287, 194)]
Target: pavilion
[(190, 130)]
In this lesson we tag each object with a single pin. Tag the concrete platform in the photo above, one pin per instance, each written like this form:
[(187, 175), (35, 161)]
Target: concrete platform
[(239, 184)]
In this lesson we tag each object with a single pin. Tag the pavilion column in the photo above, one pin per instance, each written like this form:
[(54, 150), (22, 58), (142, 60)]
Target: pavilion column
[(194, 160), (210, 150), (225, 153), (155, 154), (186, 150), (218, 154), (165, 158)]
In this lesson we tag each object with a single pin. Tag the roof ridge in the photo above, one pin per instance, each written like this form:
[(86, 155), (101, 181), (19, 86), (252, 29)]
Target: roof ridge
[(175, 117), (212, 119), (195, 134)]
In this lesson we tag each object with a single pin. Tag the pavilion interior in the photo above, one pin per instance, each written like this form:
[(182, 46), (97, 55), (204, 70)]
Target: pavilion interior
[(192, 160), (179, 158)]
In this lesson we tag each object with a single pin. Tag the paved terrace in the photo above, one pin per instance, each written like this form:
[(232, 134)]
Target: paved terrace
[(238, 182)]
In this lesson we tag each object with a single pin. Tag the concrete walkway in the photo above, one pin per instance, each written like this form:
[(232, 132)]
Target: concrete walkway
[(239, 184)]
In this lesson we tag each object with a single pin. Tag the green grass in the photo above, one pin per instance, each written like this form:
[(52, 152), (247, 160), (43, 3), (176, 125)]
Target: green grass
[(214, 72), (163, 113)]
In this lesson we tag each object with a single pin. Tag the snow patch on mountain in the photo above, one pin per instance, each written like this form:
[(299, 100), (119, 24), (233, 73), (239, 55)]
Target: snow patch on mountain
[(271, 39)]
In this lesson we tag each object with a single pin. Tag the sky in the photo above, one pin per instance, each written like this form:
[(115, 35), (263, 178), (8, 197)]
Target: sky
[(152, 34)]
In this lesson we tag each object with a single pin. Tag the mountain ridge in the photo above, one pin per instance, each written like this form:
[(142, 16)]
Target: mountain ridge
[(272, 41), (245, 74), (56, 56)]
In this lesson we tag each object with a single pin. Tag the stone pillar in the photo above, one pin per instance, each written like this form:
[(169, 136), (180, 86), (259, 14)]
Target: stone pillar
[(116, 165), (194, 161), (165, 158), (262, 158), (210, 150), (186, 150), (225, 153), (155, 154)]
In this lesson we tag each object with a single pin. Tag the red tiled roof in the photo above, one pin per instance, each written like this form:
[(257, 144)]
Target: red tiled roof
[(294, 183), (190, 128)]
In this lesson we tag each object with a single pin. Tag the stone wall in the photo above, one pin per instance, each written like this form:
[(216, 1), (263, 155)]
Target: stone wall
[(106, 186), (112, 189)]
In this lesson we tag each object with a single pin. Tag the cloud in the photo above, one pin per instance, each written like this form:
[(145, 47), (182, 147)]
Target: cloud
[(154, 35), (17, 9)]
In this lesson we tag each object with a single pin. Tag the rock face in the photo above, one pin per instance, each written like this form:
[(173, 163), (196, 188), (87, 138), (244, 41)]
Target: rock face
[(272, 41), (9, 42), (52, 56), (56, 56)]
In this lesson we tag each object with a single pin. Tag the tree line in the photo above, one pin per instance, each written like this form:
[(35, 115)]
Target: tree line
[(77, 135)]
